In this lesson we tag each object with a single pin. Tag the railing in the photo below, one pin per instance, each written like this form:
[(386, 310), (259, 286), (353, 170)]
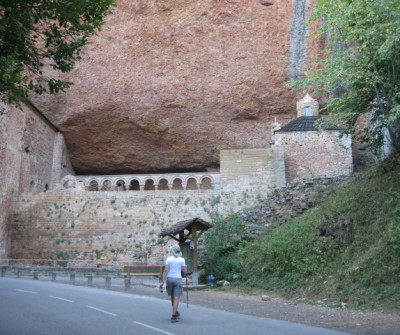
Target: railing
[(96, 264)]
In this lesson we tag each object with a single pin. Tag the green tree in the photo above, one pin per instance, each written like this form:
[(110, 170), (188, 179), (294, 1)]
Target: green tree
[(359, 67), (35, 34)]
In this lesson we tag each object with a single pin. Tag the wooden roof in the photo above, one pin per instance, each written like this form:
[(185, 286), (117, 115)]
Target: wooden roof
[(305, 123), (181, 226)]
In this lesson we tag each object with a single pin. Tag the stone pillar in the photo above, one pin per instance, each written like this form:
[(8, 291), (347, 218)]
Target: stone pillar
[(72, 279), (53, 276), (90, 280), (57, 159)]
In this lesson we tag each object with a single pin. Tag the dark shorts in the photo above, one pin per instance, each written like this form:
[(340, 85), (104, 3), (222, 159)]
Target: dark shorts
[(174, 287)]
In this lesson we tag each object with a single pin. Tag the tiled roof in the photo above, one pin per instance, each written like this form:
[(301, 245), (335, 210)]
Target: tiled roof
[(182, 225), (305, 123)]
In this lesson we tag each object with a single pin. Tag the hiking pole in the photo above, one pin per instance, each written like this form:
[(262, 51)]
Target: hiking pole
[(187, 292)]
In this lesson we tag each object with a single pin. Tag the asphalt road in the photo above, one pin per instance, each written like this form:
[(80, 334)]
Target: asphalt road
[(48, 308)]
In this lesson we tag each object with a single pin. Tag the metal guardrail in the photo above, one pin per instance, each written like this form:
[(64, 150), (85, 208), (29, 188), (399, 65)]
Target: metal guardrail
[(96, 264)]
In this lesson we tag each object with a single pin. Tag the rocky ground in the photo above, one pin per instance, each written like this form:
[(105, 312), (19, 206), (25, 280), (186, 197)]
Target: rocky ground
[(345, 320)]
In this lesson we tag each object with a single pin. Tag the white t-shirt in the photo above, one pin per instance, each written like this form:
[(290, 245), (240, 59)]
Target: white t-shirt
[(175, 266)]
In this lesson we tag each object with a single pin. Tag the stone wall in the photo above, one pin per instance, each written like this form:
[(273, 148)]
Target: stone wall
[(312, 154), (113, 228), (95, 228), (255, 170), (27, 161)]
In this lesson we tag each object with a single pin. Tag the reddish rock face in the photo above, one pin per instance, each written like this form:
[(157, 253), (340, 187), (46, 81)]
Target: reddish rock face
[(168, 83)]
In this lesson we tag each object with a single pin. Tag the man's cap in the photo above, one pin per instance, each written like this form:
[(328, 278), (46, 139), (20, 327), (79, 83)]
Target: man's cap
[(176, 251)]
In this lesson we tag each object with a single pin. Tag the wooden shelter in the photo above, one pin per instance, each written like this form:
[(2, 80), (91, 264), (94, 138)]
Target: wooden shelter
[(188, 230)]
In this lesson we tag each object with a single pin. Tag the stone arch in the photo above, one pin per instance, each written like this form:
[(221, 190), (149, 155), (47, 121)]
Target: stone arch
[(93, 185), (134, 185), (149, 185), (68, 182), (163, 184), (120, 185), (191, 184), (177, 184), (106, 185), (206, 183)]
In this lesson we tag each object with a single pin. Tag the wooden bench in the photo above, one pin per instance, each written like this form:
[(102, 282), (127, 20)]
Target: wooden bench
[(143, 270)]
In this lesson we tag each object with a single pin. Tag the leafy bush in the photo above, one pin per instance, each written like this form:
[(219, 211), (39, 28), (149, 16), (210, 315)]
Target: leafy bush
[(225, 234)]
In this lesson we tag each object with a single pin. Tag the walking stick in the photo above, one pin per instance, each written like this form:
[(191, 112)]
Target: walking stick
[(187, 292)]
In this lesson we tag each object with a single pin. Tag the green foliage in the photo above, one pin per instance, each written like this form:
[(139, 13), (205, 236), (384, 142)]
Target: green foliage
[(43, 33), (359, 68), (394, 228), (98, 254), (225, 234), (65, 256), (294, 260), (215, 200)]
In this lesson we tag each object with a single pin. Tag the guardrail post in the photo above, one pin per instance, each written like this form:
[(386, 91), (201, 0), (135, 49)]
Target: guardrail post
[(90, 280), (53, 276), (108, 282), (127, 284), (72, 279), (18, 273), (35, 276), (3, 271)]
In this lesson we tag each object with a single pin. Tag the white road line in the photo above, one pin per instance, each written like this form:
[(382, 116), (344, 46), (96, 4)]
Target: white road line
[(63, 299), (154, 328), (101, 310), (31, 292)]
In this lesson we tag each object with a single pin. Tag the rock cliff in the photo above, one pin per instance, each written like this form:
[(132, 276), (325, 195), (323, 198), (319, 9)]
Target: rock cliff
[(168, 83)]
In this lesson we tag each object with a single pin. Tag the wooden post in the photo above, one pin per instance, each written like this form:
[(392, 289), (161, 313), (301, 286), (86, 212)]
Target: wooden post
[(195, 276)]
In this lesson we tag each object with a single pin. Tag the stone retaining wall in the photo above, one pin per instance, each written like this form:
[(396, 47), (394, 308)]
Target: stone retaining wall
[(287, 202), (110, 226), (33, 157), (113, 228)]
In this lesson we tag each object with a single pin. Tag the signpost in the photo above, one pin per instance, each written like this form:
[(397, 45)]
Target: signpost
[(190, 230)]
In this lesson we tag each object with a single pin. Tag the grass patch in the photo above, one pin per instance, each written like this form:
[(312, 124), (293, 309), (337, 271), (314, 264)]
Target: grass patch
[(345, 250)]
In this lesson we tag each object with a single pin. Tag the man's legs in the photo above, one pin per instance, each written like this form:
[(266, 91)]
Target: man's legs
[(175, 304), (175, 290)]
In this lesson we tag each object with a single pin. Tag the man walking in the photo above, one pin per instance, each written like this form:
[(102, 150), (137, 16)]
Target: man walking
[(174, 267)]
